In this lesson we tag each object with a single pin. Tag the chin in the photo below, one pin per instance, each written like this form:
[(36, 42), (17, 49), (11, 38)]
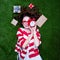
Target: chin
[(25, 27)]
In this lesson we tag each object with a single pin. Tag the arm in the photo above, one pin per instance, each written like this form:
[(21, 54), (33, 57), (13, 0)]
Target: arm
[(36, 41), (22, 41), (37, 37), (27, 40)]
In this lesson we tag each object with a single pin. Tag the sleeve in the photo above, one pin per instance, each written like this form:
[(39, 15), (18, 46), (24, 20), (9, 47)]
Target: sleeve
[(38, 35), (20, 37)]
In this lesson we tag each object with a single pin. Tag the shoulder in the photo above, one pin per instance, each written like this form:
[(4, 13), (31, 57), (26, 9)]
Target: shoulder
[(21, 30)]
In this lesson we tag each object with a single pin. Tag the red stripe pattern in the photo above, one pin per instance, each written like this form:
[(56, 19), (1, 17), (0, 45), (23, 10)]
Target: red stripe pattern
[(22, 36)]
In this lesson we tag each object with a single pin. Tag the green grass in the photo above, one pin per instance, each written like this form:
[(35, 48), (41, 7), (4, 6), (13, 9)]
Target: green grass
[(50, 31)]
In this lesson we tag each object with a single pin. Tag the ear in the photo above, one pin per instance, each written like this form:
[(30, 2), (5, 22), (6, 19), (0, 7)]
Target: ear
[(41, 20)]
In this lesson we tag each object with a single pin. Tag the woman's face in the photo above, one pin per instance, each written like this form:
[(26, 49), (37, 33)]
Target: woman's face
[(25, 21)]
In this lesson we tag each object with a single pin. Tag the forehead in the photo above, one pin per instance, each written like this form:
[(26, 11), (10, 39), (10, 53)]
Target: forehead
[(26, 18)]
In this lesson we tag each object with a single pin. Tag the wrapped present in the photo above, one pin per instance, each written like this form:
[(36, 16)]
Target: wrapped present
[(14, 22), (16, 9), (41, 20)]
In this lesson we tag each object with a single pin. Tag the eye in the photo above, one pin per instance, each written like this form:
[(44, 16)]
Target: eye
[(24, 21)]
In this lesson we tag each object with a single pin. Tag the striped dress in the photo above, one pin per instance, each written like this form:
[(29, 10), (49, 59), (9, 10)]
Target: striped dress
[(30, 50)]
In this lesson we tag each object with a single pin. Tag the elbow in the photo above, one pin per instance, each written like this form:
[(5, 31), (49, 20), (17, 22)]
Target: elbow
[(36, 45), (40, 43)]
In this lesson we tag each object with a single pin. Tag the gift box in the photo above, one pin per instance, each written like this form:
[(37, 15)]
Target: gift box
[(41, 20), (14, 22), (16, 9)]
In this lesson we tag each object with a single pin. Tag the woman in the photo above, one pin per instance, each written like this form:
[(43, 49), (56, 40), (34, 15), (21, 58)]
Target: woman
[(28, 39)]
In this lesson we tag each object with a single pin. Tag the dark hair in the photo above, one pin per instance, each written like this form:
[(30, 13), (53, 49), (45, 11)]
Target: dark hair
[(26, 11)]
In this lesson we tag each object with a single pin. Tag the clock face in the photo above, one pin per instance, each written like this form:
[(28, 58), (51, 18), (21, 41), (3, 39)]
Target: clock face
[(32, 23)]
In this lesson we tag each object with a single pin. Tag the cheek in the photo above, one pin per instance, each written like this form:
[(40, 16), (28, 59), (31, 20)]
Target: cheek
[(25, 24)]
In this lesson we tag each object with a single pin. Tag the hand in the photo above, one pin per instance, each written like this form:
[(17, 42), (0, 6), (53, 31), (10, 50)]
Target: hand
[(33, 29)]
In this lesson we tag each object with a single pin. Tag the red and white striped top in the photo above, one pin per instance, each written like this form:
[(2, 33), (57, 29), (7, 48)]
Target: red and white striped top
[(22, 36)]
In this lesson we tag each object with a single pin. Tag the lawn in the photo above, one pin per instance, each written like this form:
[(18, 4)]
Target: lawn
[(50, 31)]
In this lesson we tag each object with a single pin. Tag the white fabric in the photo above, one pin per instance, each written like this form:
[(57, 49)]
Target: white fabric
[(34, 58), (18, 32), (27, 57), (25, 36)]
